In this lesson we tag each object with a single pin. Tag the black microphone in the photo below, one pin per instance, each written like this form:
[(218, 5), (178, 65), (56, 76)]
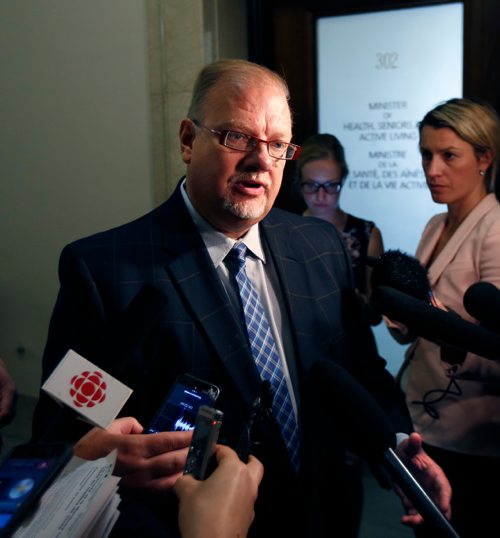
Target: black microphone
[(434, 324), (369, 433), (398, 270), (482, 301), (261, 410)]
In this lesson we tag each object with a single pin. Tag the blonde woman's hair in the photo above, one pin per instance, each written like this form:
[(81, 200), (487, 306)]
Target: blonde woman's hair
[(474, 121)]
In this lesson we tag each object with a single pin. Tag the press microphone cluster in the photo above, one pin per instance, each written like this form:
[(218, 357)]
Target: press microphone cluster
[(366, 428), (434, 324), (403, 272)]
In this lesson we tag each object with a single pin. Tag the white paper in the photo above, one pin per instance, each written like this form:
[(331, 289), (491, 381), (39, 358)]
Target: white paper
[(82, 498)]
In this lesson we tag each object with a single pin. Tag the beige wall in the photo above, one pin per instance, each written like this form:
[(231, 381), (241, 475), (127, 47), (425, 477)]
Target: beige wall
[(210, 29), (90, 98)]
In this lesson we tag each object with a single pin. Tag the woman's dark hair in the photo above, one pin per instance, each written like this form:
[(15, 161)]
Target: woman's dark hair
[(321, 146)]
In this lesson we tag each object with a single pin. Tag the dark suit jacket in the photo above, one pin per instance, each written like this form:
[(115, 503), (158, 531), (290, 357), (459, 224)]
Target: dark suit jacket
[(144, 302)]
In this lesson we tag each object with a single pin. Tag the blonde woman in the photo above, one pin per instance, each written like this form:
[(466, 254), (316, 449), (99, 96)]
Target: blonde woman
[(456, 407)]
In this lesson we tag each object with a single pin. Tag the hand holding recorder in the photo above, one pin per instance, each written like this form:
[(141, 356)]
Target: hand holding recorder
[(223, 504)]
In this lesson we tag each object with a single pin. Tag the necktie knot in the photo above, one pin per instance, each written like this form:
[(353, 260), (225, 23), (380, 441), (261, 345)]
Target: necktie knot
[(238, 253)]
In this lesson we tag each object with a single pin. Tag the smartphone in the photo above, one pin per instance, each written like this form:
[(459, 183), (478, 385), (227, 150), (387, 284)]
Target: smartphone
[(179, 409), (205, 434), (25, 474)]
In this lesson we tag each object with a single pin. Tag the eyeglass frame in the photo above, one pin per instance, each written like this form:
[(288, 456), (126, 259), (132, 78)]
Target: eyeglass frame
[(317, 186), (225, 133)]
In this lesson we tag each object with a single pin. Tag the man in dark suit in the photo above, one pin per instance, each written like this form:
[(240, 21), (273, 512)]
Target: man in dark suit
[(157, 297)]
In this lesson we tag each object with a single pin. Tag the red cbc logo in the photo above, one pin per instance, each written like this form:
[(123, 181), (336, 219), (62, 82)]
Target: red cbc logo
[(88, 389)]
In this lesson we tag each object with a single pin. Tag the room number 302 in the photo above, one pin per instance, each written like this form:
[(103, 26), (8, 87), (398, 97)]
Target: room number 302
[(387, 60)]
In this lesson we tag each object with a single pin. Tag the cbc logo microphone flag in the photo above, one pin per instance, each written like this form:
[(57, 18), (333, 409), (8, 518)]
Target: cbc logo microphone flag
[(87, 389)]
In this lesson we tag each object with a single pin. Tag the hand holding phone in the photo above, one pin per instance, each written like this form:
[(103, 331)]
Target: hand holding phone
[(25, 474)]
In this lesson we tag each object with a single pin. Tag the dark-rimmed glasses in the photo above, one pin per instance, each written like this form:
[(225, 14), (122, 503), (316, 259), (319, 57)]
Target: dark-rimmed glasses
[(312, 187), (244, 142)]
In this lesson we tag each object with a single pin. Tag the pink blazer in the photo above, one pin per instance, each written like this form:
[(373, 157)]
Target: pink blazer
[(468, 416)]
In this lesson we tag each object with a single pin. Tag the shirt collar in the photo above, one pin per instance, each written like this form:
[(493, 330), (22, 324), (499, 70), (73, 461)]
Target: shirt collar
[(218, 244)]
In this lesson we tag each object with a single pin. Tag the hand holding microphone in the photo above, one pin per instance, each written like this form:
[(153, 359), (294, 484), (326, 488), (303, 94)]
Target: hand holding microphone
[(366, 428)]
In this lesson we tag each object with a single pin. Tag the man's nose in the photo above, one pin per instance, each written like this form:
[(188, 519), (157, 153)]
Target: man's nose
[(260, 156)]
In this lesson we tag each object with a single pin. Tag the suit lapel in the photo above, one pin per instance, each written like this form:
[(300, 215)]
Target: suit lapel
[(278, 246), (190, 268)]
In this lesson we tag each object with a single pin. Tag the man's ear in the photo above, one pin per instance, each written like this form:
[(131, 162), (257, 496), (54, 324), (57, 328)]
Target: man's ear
[(187, 134)]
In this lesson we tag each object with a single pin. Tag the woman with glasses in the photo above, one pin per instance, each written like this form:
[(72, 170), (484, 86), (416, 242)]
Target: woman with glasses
[(321, 170), (320, 173)]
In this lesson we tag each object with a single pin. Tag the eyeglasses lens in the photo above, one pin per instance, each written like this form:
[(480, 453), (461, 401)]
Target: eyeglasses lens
[(243, 142), (330, 187)]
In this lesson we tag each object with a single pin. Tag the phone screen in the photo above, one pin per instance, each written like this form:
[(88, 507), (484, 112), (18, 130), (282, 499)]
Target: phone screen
[(179, 409), (24, 475)]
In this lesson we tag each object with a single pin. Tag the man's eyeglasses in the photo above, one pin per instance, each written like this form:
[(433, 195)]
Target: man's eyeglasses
[(312, 187), (243, 142)]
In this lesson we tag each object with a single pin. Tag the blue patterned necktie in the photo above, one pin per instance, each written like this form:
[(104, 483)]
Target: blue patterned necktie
[(266, 355)]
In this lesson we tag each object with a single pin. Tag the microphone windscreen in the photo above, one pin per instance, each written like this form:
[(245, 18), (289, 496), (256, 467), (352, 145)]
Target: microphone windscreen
[(400, 271), (482, 301), (355, 412)]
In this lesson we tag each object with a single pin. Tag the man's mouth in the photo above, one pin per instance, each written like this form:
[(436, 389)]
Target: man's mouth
[(251, 183), (249, 186)]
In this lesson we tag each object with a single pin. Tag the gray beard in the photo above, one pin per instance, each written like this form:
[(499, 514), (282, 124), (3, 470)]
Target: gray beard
[(249, 210)]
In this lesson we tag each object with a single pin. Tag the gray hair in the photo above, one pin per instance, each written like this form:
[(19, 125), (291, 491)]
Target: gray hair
[(237, 73)]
